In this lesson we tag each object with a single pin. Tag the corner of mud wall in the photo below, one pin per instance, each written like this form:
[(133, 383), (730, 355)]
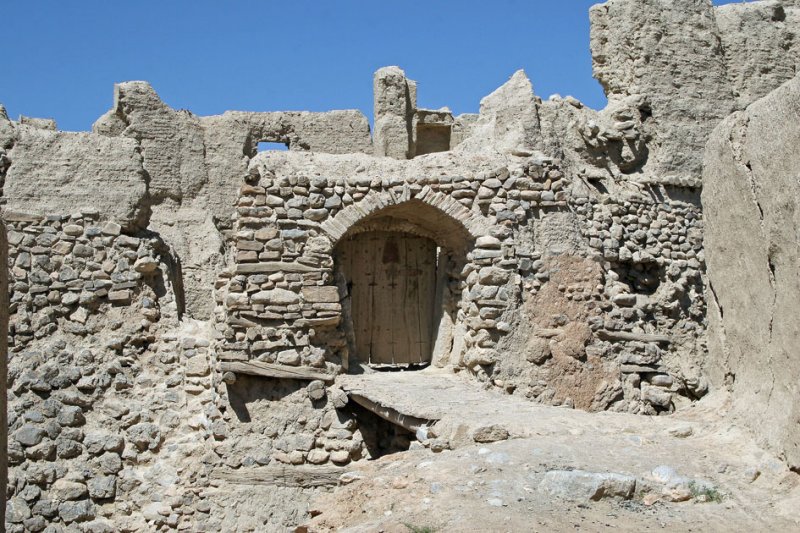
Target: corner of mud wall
[(3, 358)]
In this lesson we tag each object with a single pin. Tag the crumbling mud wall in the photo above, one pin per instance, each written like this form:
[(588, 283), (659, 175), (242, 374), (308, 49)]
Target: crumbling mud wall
[(50, 171), (194, 164), (760, 45), (179, 314), (3, 369), (751, 198), (692, 64)]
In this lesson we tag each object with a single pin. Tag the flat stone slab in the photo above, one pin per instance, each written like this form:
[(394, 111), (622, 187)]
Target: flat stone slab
[(457, 406)]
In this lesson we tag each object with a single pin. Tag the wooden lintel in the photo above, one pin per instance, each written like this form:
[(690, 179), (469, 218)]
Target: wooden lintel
[(642, 369), (282, 475), (629, 336), (271, 370), (408, 422), (273, 266)]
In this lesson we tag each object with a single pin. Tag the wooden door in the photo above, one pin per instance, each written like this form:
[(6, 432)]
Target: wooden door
[(392, 279)]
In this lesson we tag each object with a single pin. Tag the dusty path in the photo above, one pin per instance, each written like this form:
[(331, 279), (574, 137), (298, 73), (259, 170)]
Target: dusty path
[(546, 476)]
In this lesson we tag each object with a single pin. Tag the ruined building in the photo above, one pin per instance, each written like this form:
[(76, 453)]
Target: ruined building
[(185, 311)]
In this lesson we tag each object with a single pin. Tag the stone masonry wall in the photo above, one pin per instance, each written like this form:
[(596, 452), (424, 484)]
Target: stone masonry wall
[(638, 317), (289, 224), (119, 415), (572, 262), (617, 322), (3, 369), (85, 303), (65, 268)]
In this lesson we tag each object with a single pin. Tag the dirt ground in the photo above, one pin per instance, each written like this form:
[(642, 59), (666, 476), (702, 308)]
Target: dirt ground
[(726, 480)]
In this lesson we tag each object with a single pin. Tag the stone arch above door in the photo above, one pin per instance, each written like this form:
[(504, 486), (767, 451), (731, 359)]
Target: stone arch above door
[(283, 299), (452, 223), (461, 235)]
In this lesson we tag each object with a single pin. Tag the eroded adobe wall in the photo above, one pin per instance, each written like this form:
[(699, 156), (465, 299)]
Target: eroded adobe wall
[(194, 165), (3, 370), (49, 171), (668, 52), (761, 46), (751, 198), (693, 64), (577, 277)]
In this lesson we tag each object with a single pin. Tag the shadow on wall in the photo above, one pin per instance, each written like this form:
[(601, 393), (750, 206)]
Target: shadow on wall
[(248, 390), (381, 437)]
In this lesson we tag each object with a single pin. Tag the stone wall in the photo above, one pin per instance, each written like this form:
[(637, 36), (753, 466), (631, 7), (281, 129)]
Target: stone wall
[(120, 416), (508, 226), (615, 321), (3, 370), (751, 199), (571, 268), (65, 268), (85, 302)]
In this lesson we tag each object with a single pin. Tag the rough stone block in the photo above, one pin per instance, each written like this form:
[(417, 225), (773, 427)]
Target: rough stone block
[(578, 485)]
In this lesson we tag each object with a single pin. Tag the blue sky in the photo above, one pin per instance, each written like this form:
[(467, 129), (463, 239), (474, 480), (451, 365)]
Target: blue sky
[(62, 58)]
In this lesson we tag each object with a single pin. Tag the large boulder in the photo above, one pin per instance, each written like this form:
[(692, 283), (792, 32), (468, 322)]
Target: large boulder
[(751, 201)]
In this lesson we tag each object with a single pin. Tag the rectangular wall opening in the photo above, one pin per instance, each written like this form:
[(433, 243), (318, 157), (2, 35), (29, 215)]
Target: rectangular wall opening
[(432, 138), (268, 146)]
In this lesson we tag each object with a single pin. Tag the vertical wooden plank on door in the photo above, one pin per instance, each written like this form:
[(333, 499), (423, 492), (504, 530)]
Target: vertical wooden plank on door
[(399, 325), (366, 245), (374, 248), (406, 320), (386, 263), (426, 296), (358, 276), (412, 300)]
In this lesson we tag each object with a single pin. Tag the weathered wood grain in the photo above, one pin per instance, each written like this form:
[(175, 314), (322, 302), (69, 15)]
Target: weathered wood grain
[(272, 370)]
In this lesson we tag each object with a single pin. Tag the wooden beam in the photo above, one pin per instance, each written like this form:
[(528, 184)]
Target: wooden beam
[(282, 476), (628, 336), (273, 266), (410, 423), (642, 369), (271, 370)]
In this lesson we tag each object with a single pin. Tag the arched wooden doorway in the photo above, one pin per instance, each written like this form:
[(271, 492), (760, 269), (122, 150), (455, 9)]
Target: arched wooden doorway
[(391, 279)]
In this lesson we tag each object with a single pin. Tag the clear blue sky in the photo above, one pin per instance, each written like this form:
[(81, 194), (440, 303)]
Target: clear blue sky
[(62, 58)]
